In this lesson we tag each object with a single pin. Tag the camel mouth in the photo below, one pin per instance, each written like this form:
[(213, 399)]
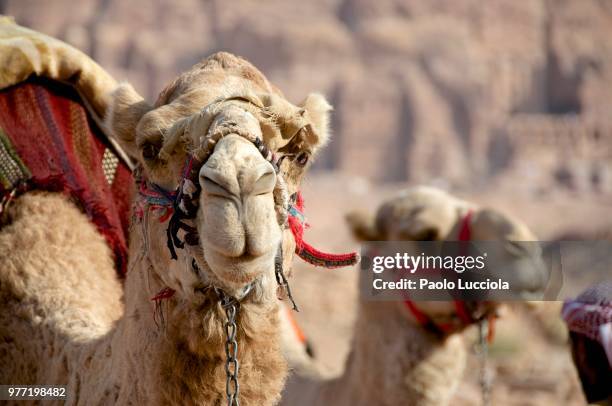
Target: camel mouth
[(235, 272), (528, 276)]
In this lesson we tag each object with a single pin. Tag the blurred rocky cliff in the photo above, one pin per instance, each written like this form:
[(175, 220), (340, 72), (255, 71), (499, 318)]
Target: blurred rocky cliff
[(464, 93)]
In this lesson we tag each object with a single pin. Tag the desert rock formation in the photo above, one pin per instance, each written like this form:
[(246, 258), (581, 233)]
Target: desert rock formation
[(442, 92)]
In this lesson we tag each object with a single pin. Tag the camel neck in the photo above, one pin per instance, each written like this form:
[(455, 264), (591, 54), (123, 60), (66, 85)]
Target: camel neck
[(373, 360), (180, 350), (393, 359)]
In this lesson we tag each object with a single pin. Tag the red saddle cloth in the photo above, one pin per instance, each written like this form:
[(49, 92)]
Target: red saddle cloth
[(49, 142)]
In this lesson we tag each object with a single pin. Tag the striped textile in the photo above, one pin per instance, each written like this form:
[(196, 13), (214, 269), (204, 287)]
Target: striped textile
[(48, 142), (592, 316)]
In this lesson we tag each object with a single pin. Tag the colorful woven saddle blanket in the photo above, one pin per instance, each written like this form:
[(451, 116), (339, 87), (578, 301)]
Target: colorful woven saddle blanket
[(49, 142)]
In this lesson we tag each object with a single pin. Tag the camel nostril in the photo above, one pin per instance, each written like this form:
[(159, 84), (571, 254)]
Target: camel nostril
[(237, 169), (264, 180), (217, 183), (255, 182)]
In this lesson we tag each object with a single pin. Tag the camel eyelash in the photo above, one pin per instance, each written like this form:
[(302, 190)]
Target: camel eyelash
[(300, 158)]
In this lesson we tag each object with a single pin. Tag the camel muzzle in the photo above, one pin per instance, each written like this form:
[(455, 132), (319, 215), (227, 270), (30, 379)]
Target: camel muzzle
[(237, 211)]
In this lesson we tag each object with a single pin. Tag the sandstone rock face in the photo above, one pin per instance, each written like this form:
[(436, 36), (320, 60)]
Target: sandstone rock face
[(463, 93)]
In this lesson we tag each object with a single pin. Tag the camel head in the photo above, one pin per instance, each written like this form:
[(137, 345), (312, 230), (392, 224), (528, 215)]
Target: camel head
[(235, 151), (428, 214)]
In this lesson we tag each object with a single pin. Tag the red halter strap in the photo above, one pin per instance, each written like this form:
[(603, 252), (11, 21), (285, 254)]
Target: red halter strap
[(465, 235), (306, 251), (426, 321), (465, 232)]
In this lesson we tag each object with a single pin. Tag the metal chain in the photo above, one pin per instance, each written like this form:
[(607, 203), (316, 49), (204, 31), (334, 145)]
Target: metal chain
[(231, 305), (232, 366), (483, 352)]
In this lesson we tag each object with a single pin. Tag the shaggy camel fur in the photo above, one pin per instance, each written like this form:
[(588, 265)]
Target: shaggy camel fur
[(64, 320), (394, 360)]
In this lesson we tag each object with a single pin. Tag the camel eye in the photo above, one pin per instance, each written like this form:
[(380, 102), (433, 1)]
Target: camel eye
[(302, 159), (149, 151)]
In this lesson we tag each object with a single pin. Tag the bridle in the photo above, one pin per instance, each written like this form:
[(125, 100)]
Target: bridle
[(180, 208), (486, 324), (464, 314)]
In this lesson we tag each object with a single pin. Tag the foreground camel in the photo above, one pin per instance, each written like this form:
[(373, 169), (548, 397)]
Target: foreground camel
[(395, 359), (67, 319)]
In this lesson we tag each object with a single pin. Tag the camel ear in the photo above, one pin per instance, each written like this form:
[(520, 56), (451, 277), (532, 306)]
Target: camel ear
[(318, 110), (363, 226), (126, 109)]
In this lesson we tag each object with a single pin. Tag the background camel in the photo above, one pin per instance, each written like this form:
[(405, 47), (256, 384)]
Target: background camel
[(66, 319), (394, 359)]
